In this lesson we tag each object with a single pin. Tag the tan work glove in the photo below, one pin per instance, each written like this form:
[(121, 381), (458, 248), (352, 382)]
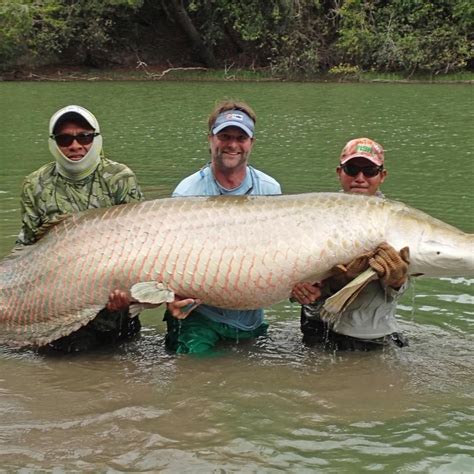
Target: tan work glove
[(343, 274), (391, 266)]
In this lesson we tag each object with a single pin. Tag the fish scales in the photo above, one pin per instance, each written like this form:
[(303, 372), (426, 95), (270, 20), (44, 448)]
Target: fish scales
[(239, 252)]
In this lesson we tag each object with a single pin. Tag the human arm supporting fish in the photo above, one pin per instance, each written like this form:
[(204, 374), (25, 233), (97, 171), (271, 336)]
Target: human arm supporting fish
[(390, 266), (356, 310), (180, 308)]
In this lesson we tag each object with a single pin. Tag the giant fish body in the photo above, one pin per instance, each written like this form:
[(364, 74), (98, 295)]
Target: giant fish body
[(238, 252)]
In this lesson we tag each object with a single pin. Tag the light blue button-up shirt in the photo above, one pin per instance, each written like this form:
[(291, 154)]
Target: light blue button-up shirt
[(203, 183)]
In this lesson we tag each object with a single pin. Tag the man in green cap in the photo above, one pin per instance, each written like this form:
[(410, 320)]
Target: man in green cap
[(369, 322)]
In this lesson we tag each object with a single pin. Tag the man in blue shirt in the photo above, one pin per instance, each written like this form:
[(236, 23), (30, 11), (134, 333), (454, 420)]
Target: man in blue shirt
[(231, 139)]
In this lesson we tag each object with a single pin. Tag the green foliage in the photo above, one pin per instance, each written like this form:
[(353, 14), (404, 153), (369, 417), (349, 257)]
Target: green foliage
[(291, 38), (406, 35), (15, 22), (42, 31), (300, 50), (345, 71)]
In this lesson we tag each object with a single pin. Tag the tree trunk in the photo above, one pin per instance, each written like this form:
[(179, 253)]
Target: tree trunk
[(182, 17)]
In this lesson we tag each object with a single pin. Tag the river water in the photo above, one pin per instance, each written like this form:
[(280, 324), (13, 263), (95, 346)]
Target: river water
[(272, 405)]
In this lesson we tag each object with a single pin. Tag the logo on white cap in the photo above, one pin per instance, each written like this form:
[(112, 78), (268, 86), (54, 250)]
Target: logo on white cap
[(239, 117)]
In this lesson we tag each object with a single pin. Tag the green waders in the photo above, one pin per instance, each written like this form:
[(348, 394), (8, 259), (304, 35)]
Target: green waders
[(198, 334)]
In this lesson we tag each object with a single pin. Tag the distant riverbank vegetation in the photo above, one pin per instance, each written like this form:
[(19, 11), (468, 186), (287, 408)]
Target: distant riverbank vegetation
[(245, 40)]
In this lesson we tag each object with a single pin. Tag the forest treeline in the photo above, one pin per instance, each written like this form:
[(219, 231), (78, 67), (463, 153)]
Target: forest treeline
[(289, 38)]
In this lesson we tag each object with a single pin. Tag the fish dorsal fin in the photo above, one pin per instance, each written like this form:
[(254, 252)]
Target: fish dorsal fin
[(337, 303), (47, 226), (152, 292), (16, 252)]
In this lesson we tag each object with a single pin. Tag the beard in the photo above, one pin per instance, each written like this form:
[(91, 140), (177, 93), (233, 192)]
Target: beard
[(224, 162)]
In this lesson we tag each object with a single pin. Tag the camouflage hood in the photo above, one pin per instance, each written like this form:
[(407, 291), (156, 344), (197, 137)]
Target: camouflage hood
[(76, 170)]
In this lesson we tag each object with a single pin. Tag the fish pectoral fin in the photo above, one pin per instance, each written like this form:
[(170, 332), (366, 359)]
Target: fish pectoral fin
[(339, 301), (152, 292), (136, 308)]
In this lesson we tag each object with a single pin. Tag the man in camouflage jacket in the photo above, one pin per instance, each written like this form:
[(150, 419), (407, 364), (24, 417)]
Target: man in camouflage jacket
[(80, 178)]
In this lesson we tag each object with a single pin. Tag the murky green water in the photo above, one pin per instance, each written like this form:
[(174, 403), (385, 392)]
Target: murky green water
[(272, 405)]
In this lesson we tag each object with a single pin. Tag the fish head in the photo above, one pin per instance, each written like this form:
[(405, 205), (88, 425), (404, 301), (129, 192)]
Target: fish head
[(437, 257), (437, 249)]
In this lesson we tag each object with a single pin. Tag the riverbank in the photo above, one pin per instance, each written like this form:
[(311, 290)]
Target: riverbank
[(144, 72)]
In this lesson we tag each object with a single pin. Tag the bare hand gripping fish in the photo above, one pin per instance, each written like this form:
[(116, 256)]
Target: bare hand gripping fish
[(239, 252)]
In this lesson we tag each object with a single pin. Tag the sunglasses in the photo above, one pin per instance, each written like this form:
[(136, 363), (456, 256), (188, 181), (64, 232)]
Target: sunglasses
[(65, 139), (368, 171)]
